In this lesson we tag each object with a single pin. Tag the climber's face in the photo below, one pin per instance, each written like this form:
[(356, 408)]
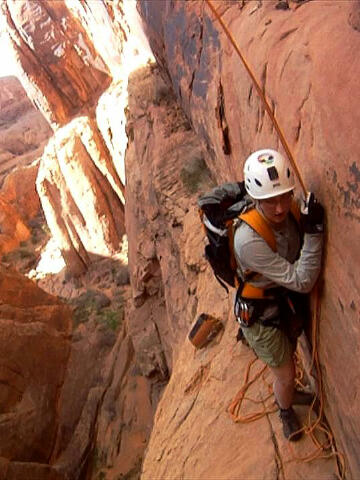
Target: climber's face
[(276, 209)]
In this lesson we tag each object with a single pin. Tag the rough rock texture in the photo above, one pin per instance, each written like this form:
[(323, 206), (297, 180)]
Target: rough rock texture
[(34, 351), (62, 51), (23, 135), (105, 406), (111, 383), (292, 53), (58, 64), (124, 421), (20, 191), (100, 405), (80, 194), (106, 27), (23, 130), (164, 168), (193, 436), (12, 227), (100, 418)]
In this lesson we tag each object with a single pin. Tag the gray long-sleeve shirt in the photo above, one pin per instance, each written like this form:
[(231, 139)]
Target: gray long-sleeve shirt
[(281, 268)]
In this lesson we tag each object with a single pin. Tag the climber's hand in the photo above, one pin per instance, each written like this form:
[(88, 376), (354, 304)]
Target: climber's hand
[(312, 215)]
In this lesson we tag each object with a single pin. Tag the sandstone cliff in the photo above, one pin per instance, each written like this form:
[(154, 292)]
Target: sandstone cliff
[(23, 135), (34, 351), (104, 385), (193, 435), (292, 52), (23, 130), (63, 67)]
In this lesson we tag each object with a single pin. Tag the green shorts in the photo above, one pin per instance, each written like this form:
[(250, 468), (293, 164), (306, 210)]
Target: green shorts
[(270, 344)]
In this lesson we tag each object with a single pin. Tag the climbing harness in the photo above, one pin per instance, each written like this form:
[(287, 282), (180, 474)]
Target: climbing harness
[(234, 407)]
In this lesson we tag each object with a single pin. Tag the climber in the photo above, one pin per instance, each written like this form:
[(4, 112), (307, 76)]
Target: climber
[(282, 277)]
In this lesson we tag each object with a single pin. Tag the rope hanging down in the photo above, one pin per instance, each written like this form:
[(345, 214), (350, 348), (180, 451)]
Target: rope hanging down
[(262, 96)]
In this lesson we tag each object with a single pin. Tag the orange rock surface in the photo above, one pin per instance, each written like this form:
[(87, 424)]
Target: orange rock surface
[(193, 435), (305, 60), (34, 350), (102, 389), (58, 63)]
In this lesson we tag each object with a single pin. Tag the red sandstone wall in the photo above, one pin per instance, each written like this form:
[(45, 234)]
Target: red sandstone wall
[(305, 59)]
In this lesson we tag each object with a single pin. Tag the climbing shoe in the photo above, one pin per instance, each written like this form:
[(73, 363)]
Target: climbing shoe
[(291, 425)]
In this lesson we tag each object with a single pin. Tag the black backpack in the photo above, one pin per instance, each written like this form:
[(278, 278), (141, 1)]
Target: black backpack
[(218, 209)]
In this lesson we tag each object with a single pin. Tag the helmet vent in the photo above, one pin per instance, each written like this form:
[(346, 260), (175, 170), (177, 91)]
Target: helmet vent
[(259, 184), (273, 173)]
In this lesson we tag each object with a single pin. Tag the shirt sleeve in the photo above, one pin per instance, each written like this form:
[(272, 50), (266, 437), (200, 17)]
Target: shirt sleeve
[(255, 255)]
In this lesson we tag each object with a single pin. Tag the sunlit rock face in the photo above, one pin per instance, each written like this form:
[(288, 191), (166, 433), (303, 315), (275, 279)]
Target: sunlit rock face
[(67, 54), (305, 60), (107, 28), (80, 193), (58, 63)]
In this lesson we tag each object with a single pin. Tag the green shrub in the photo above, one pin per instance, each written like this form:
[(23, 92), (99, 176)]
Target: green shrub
[(194, 174), (111, 318), (94, 304)]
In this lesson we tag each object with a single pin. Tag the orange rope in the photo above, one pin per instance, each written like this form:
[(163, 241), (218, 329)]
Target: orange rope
[(235, 406), (311, 428), (318, 425), (262, 96)]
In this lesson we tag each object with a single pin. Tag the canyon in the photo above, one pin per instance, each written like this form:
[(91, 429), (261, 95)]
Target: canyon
[(106, 154)]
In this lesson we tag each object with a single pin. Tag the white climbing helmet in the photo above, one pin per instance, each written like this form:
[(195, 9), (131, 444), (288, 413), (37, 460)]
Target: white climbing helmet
[(267, 174)]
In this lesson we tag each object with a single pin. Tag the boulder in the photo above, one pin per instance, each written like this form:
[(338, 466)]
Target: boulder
[(19, 189)]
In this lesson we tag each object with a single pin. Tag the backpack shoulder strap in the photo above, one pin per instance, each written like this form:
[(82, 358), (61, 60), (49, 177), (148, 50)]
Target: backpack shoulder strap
[(259, 224)]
